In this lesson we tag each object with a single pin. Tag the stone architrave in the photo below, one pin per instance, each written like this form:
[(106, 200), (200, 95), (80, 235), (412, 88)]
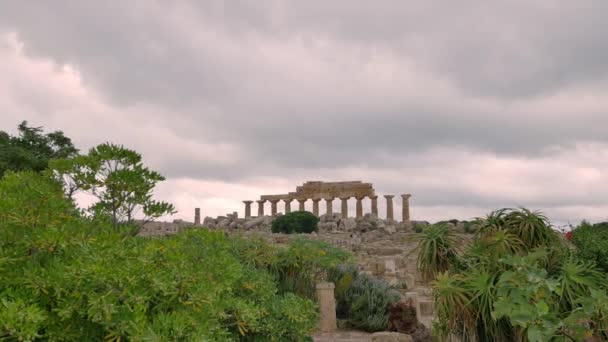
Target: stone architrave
[(287, 205), (405, 208), (344, 206), (374, 205), (315, 206), (302, 202), (329, 206), (327, 307), (261, 207), (197, 216), (273, 207), (389, 207), (247, 208), (359, 207)]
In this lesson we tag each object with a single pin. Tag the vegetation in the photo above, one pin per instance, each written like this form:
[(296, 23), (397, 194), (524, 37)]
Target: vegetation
[(31, 150), (437, 250), (592, 243), (118, 179), (295, 222), (362, 300), (517, 281), (66, 276)]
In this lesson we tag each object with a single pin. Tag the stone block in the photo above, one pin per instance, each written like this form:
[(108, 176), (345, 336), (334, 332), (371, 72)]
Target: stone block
[(327, 307), (426, 307), (385, 336)]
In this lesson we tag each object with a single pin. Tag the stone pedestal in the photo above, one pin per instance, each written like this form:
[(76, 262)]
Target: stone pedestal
[(287, 205), (197, 216), (359, 210), (327, 307), (247, 208), (405, 208), (329, 206), (344, 206), (302, 204), (374, 205), (389, 207), (261, 208), (315, 206), (273, 207)]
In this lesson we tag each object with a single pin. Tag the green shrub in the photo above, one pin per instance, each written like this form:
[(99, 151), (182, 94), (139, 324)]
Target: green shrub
[(437, 250), (517, 281), (63, 277), (304, 263), (295, 222), (362, 300), (592, 243)]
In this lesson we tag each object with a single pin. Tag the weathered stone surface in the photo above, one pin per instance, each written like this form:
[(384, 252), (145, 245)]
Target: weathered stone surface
[(348, 224), (327, 307), (386, 336)]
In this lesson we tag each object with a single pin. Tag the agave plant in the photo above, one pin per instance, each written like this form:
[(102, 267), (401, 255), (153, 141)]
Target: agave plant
[(437, 250), (452, 305), (533, 228), (577, 279)]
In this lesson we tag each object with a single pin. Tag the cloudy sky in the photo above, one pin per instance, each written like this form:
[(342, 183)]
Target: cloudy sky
[(469, 105)]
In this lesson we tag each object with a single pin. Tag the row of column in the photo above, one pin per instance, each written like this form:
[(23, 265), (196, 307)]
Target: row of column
[(329, 206)]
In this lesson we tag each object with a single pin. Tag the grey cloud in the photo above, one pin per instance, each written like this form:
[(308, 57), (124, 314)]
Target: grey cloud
[(289, 82)]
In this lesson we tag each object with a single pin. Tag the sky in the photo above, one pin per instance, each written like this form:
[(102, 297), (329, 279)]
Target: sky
[(469, 105)]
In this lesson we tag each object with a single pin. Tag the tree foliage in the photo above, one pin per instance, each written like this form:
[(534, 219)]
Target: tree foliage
[(118, 179), (66, 277), (31, 149)]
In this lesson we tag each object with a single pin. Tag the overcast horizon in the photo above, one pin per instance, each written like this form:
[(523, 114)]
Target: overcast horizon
[(469, 106)]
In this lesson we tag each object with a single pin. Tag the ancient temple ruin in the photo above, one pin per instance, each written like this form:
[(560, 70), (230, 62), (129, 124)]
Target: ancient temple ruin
[(329, 191)]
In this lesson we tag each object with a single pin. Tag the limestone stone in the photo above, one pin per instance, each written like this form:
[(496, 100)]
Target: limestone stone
[(389, 207), (386, 336), (374, 200), (223, 223), (197, 216), (261, 207), (327, 307), (348, 224), (247, 208)]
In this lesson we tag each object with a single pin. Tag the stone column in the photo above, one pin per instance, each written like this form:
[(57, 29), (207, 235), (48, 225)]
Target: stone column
[(344, 206), (359, 206), (247, 208), (315, 206), (261, 207), (405, 208), (327, 307), (374, 205), (389, 207), (287, 205), (329, 206), (273, 207), (197, 216), (302, 202)]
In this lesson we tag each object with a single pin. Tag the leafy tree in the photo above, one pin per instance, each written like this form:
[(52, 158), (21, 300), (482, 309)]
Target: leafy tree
[(32, 150), (118, 179), (63, 277)]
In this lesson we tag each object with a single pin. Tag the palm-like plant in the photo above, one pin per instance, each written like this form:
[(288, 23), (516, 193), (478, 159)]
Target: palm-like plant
[(577, 278), (533, 228), (452, 304), (437, 250)]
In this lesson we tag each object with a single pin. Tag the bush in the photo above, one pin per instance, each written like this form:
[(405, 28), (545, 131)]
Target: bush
[(304, 263), (295, 222), (437, 250), (517, 281), (362, 300), (592, 243), (64, 278)]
